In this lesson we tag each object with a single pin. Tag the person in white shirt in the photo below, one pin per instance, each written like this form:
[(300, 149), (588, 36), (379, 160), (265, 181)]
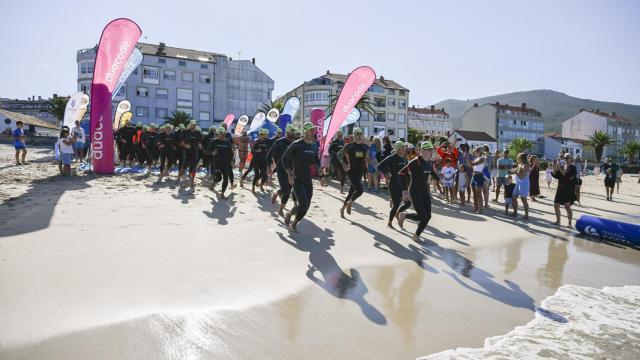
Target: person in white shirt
[(462, 183), (448, 177), (78, 145), (66, 151)]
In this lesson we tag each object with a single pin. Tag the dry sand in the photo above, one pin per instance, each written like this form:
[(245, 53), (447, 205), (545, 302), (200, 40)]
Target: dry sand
[(108, 267)]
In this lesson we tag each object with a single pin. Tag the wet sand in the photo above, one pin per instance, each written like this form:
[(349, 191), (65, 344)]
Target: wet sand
[(126, 267)]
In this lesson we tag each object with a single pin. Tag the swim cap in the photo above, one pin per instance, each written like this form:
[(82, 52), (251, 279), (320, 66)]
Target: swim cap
[(198, 128), (181, 126), (399, 144), (192, 122), (308, 126), (427, 145), (263, 131), (357, 131), (153, 126), (290, 128), (222, 129)]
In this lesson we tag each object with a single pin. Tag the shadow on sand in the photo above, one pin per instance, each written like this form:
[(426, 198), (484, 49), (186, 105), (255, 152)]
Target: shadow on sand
[(331, 277)]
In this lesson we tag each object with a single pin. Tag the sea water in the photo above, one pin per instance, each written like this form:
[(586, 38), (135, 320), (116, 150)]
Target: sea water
[(575, 323)]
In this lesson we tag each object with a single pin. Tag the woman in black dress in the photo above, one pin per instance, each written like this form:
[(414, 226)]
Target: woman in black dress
[(534, 177), (566, 192)]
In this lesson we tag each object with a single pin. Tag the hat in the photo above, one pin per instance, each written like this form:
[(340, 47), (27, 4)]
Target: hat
[(181, 126), (290, 128), (192, 122), (308, 126), (426, 145), (198, 128), (153, 125), (222, 129), (339, 132), (399, 144), (357, 131), (212, 129), (263, 131)]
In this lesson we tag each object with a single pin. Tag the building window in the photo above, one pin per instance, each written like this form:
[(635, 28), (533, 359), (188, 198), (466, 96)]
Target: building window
[(391, 91), (307, 113), (402, 118), (403, 93), (204, 66), (204, 116), (402, 103), (364, 116), (391, 102), (391, 117), (150, 75), (122, 92), (377, 130), (142, 111), (380, 117), (379, 102), (162, 93), (162, 61), (185, 97), (205, 97), (402, 134), (169, 74), (182, 63), (316, 96), (187, 76), (142, 91), (376, 89), (205, 79), (187, 110), (162, 113)]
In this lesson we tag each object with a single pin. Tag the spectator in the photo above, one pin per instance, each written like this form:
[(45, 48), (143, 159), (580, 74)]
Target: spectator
[(19, 143)]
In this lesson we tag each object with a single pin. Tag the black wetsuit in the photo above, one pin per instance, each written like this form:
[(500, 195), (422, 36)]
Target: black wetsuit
[(392, 164), (179, 149), (127, 150), (206, 157), (191, 138), (357, 155), (167, 152), (419, 170), (259, 152), (334, 148), (275, 154), (300, 156), (150, 140), (221, 152)]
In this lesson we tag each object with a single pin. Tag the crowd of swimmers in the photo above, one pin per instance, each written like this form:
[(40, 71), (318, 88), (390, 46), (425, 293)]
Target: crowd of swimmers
[(411, 172)]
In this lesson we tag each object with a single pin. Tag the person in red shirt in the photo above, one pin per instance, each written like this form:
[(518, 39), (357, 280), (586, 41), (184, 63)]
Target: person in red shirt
[(446, 151)]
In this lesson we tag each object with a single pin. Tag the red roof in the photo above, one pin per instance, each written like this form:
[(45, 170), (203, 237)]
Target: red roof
[(612, 116), (428, 111), (522, 108)]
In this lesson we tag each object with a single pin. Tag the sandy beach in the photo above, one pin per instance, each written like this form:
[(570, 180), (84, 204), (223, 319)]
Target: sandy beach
[(125, 266)]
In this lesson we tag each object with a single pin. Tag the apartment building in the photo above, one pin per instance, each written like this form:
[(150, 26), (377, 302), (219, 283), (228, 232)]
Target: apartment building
[(204, 84), (430, 120), (388, 99), (506, 123)]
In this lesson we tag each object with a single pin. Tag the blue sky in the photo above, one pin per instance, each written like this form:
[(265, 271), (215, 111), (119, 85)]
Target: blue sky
[(437, 49)]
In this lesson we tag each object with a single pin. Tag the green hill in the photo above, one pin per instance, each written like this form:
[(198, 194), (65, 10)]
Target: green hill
[(554, 106)]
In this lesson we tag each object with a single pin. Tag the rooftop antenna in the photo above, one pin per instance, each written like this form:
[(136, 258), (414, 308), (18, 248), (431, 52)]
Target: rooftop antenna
[(145, 39), (239, 53)]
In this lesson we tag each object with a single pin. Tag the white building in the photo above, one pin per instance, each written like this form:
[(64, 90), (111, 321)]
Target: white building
[(430, 120), (388, 99), (32, 125), (587, 122), (203, 84), (554, 144), (474, 139)]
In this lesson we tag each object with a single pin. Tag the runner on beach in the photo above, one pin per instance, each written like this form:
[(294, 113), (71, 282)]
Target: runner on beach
[(242, 143), (166, 147), (297, 160), (19, 143), (206, 157), (419, 191), (355, 155), (391, 166), (191, 142), (221, 152), (259, 151), (274, 156)]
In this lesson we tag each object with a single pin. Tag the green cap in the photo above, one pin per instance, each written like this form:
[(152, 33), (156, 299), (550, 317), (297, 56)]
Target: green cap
[(339, 132), (399, 144), (290, 128), (146, 127), (263, 131), (212, 129), (308, 126), (192, 122), (426, 145), (181, 126), (198, 128), (357, 131), (222, 129)]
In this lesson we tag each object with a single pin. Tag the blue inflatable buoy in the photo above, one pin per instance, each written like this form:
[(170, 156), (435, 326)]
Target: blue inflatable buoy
[(612, 230)]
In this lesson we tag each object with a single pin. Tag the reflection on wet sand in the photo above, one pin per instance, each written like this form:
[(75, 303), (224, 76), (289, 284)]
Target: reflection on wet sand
[(512, 255), (550, 275)]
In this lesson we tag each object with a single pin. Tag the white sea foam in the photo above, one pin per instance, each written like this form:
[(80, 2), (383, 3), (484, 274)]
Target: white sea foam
[(575, 323)]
